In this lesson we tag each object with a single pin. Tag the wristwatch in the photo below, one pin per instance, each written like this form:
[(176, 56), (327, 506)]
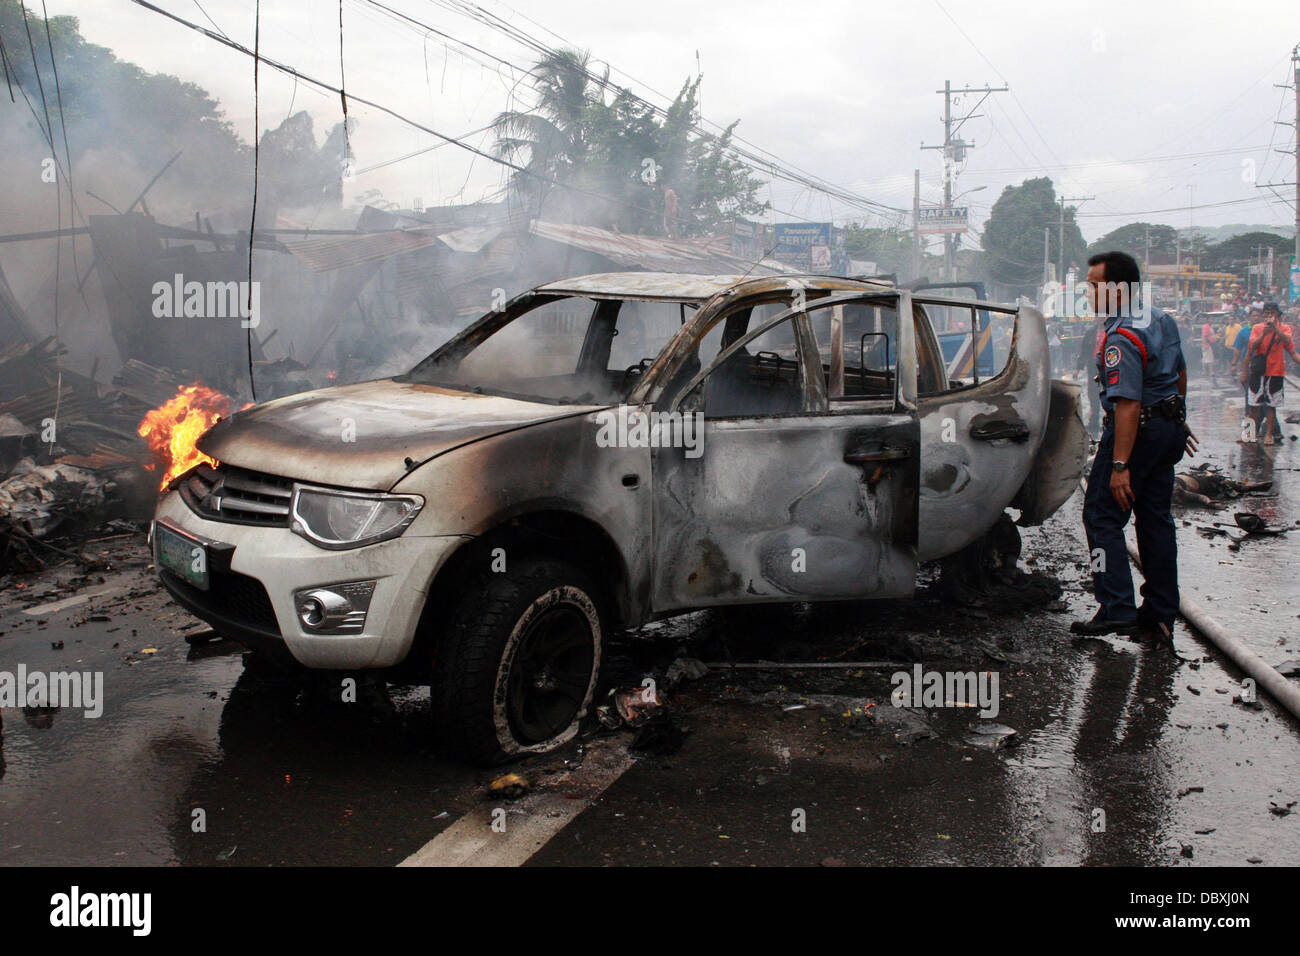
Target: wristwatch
[(1118, 465)]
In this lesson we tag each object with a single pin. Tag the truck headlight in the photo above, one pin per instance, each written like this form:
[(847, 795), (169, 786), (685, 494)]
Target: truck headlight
[(349, 519)]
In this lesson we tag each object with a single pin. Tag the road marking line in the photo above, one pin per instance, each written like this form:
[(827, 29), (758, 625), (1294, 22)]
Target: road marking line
[(82, 598), (531, 822)]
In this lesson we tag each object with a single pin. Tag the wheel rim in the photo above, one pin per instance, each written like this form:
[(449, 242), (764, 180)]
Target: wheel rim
[(550, 675)]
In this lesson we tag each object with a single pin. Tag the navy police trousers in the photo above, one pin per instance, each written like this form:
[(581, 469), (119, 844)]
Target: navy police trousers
[(1159, 446)]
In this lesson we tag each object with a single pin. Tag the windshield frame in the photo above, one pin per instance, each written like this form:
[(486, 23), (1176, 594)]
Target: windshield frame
[(461, 345)]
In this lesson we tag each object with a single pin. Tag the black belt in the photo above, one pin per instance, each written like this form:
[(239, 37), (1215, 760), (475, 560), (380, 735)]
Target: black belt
[(1174, 408)]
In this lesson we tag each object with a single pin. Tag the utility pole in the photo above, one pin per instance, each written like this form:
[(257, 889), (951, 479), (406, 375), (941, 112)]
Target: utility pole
[(1047, 245), (1060, 235), (1294, 86), (916, 225), (1047, 268), (954, 152)]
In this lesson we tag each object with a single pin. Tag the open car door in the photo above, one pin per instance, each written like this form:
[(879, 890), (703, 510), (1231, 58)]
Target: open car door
[(968, 353), (807, 484)]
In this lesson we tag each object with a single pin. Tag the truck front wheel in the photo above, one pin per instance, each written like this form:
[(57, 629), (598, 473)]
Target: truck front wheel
[(517, 665)]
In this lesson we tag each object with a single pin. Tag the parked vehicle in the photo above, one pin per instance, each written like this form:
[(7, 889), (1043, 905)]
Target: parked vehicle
[(602, 452)]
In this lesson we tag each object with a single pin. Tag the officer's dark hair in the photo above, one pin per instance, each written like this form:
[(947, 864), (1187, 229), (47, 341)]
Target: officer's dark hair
[(1117, 267)]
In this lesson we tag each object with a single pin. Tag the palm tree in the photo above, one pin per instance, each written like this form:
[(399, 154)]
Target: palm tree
[(550, 141)]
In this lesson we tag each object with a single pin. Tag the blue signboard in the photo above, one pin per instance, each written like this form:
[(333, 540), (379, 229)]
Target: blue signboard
[(811, 247)]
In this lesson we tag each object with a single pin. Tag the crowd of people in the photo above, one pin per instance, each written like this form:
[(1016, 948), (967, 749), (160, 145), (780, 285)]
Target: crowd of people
[(1243, 345), (1246, 346)]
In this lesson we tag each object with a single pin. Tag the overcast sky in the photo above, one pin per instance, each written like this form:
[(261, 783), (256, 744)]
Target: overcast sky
[(1147, 105)]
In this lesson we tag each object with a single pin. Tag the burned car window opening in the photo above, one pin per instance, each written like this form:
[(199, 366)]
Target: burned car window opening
[(564, 350), (975, 342)]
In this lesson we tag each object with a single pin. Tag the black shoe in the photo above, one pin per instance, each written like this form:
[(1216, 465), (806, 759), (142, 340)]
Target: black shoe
[(1156, 633), (1102, 625)]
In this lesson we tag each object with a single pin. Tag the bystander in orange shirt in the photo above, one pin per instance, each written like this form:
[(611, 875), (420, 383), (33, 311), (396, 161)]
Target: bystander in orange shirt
[(1278, 339)]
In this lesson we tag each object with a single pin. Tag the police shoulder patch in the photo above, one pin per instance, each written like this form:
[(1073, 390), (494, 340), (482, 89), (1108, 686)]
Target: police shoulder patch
[(1112, 356)]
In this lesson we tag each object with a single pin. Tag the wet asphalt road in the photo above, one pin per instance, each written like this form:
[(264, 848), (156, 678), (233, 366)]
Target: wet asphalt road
[(286, 775)]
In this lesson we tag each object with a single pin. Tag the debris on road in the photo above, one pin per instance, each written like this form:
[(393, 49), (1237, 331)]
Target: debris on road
[(34, 499), (511, 786), (990, 736), (635, 707), (1253, 524), (906, 725), (685, 668)]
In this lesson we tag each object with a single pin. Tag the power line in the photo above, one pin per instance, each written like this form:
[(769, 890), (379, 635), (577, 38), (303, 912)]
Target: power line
[(1149, 212), (252, 221), (480, 14), (451, 140), (753, 161), (58, 198)]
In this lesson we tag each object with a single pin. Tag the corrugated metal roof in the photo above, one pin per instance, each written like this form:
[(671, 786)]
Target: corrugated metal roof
[(655, 253), (672, 286), (340, 252)]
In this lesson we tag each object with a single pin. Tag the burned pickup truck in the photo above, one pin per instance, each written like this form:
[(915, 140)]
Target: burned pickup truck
[(601, 452)]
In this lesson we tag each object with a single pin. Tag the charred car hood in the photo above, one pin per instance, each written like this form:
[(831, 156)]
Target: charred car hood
[(360, 436)]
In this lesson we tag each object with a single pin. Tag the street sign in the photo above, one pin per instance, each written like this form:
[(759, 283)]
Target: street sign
[(943, 219)]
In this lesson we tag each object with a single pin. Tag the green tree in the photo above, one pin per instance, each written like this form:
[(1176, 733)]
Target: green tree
[(294, 171), (551, 140), (1136, 238), (1014, 236), (1240, 252), (889, 248), (146, 117), (611, 164)]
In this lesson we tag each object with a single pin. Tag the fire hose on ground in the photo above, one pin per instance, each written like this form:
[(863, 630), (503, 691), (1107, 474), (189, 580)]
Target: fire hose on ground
[(1266, 677)]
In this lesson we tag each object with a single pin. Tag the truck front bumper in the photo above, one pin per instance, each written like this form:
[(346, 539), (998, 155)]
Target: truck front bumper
[(254, 573)]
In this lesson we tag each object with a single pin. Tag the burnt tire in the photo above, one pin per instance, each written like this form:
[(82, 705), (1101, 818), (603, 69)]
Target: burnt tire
[(516, 668)]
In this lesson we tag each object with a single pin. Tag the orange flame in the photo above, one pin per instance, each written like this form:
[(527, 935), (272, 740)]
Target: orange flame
[(173, 430)]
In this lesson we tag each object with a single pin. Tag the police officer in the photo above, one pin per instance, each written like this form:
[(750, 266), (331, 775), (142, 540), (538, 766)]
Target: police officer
[(1143, 382)]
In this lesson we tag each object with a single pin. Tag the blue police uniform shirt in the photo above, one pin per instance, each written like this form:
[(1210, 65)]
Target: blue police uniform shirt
[(1140, 358)]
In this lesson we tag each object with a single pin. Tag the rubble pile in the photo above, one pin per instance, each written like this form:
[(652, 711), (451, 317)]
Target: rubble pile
[(71, 463)]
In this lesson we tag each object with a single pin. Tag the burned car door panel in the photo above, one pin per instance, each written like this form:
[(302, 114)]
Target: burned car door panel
[(742, 523), (785, 505), (980, 441)]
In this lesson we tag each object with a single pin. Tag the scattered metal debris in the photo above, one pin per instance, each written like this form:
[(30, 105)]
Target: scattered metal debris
[(990, 736)]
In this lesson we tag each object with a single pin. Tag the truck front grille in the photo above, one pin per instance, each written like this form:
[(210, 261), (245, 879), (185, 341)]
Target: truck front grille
[(237, 495)]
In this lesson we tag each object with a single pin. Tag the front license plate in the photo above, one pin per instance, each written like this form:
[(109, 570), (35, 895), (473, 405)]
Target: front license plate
[(181, 555)]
